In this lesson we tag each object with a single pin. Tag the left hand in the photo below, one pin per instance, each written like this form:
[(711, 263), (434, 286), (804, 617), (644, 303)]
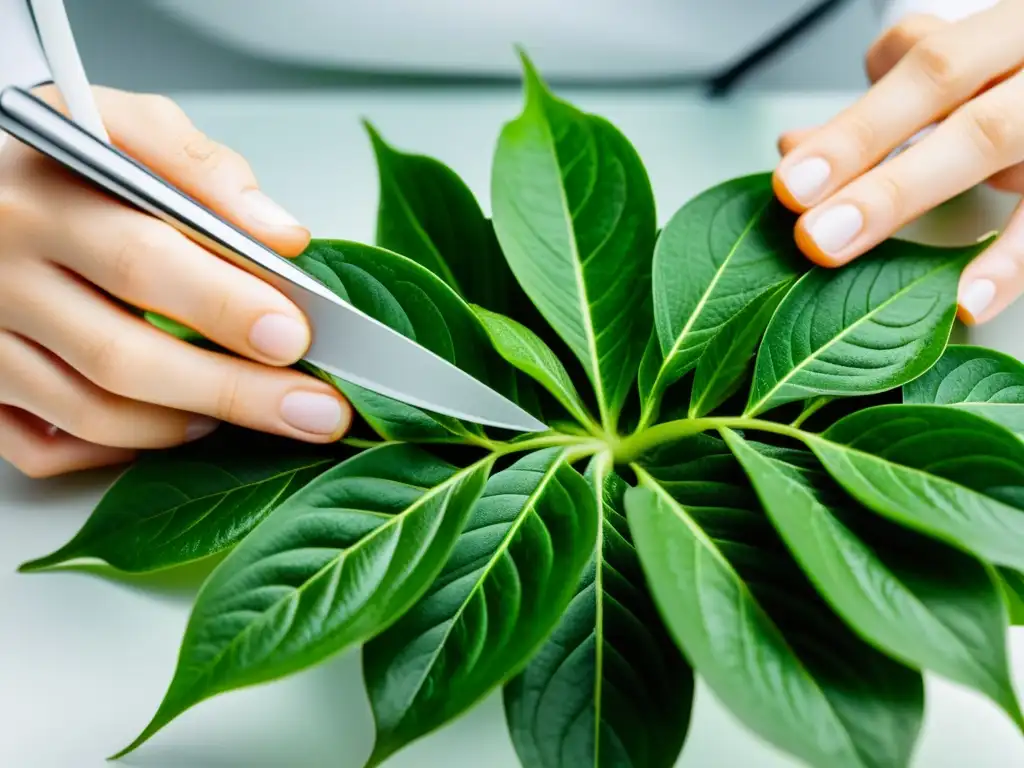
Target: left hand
[(965, 74)]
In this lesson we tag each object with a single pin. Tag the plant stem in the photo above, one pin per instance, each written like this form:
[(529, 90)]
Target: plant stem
[(544, 441), (357, 442), (639, 443), (811, 408)]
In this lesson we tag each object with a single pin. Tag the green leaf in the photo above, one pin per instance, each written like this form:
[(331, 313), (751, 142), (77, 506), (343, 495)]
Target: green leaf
[(336, 564), (753, 627), (917, 599), (609, 688), (574, 213), (721, 251), (974, 379), (727, 357), (505, 587), (942, 471), (410, 299), (184, 504), (1013, 589), (525, 350), (871, 326), (173, 327), (428, 214)]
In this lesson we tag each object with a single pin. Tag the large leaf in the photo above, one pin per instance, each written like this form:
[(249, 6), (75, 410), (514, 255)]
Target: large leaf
[(187, 503), (718, 253), (609, 689), (574, 213), (507, 583), (408, 298), (943, 471), (1013, 588), (428, 214), (336, 564), (871, 326), (975, 379), (727, 357), (752, 625), (913, 597), (527, 352)]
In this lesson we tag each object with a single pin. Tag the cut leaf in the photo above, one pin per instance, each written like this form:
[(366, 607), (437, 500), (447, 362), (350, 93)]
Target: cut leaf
[(871, 326), (609, 688), (727, 357), (336, 564), (574, 213), (526, 351), (721, 251), (408, 298), (974, 379), (913, 597), (173, 327), (942, 471), (762, 640), (185, 504), (504, 589)]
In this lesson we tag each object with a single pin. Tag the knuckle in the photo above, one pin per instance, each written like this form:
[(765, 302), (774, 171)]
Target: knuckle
[(131, 274), (230, 402), (993, 131), (107, 362), (202, 151), (160, 109), (18, 214), (34, 462), (932, 60), (861, 137), (891, 196)]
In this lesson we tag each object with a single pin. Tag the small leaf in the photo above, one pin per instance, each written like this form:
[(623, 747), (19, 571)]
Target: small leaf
[(173, 327), (914, 598), (1013, 588), (762, 640), (574, 213), (873, 325), (609, 688), (727, 357), (942, 471), (408, 298), (336, 564), (721, 251), (974, 379), (526, 351), (180, 505), (505, 587)]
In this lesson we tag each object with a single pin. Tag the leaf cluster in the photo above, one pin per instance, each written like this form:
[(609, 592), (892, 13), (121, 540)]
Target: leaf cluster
[(779, 478)]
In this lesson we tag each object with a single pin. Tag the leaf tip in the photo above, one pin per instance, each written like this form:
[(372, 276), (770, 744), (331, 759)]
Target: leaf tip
[(42, 563)]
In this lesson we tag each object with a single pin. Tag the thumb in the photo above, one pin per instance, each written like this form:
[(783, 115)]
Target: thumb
[(157, 132)]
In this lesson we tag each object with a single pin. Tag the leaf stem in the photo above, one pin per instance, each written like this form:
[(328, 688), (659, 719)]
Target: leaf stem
[(810, 409), (639, 443)]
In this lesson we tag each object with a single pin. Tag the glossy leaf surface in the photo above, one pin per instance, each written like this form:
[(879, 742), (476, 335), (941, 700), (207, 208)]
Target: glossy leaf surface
[(919, 600), (943, 471), (871, 326), (609, 689), (574, 214), (974, 379), (334, 566), (752, 625), (185, 504), (504, 588)]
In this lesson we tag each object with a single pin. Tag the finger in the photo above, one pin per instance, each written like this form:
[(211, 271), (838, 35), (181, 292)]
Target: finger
[(156, 132), (995, 279), (126, 356), (792, 139), (1009, 179), (936, 76), (150, 265), (976, 142), (28, 446), (896, 42), (36, 381)]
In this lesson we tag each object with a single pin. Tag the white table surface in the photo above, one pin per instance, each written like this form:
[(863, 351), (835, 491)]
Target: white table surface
[(84, 661)]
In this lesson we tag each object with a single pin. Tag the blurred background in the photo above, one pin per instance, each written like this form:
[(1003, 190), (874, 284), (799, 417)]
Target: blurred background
[(200, 45)]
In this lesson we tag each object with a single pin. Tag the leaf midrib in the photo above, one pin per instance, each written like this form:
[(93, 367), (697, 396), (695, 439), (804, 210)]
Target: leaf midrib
[(600, 477), (699, 535), (344, 553), (528, 508), (815, 354)]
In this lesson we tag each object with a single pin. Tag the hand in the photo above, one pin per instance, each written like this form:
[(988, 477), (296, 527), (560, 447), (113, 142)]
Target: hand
[(923, 70), (73, 357)]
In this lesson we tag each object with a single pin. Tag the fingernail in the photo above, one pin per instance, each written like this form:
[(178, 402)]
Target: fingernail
[(833, 229), (266, 211), (977, 296), (279, 337), (806, 179), (313, 413), (200, 426)]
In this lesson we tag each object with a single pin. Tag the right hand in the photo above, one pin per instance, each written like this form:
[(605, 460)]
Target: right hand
[(108, 382)]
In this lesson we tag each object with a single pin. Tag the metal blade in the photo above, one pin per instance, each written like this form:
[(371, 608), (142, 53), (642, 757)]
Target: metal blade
[(22, 61), (353, 346)]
